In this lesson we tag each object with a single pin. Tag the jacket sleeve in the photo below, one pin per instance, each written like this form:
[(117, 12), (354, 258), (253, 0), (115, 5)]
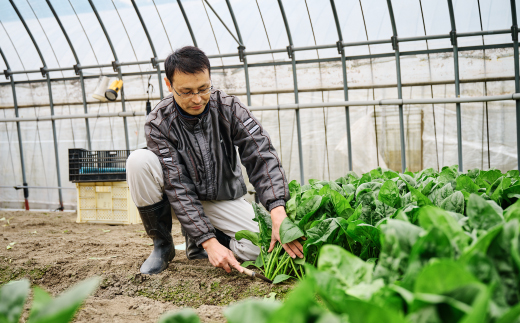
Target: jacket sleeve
[(178, 186), (259, 157)]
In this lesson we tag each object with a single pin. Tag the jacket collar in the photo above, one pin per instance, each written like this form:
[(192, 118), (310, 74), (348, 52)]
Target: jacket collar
[(189, 118)]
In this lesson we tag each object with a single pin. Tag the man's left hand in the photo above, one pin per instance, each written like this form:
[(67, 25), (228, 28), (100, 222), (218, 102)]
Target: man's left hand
[(293, 248)]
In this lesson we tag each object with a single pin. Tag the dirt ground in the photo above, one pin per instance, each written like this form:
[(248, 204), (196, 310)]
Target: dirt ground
[(55, 252)]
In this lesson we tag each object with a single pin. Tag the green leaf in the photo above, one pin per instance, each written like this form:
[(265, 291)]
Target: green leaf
[(251, 310), (434, 217), (294, 188), (510, 316), (63, 308), (442, 276), (341, 205), (247, 263), (454, 203), (12, 300), (186, 315), (513, 211), (481, 214), (359, 311), (254, 237), (464, 182), (417, 195), (300, 306), (280, 278), (289, 231), (347, 268), (479, 308), (389, 194), (448, 174)]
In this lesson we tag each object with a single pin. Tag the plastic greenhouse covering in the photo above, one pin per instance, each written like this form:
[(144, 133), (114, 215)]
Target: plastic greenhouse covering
[(379, 65)]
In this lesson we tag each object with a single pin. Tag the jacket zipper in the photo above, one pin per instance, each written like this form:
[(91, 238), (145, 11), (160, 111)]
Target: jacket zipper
[(194, 166)]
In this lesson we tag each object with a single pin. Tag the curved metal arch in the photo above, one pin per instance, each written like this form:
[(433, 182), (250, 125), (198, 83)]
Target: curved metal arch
[(188, 23), (345, 85), (514, 34), (116, 66), (51, 104), (80, 72), (453, 35), (296, 97), (19, 132), (395, 45), (241, 49), (155, 58)]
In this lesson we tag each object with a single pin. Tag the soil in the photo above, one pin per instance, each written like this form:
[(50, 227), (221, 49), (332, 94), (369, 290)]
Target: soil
[(54, 252)]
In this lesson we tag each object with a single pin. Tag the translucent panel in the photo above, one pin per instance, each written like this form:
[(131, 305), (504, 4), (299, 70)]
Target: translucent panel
[(274, 24), (87, 33), (17, 42), (377, 19), (323, 24), (436, 17), (301, 28), (408, 18), (249, 18), (497, 39), (119, 35), (211, 35), (156, 25), (134, 30), (415, 69), (352, 26), (319, 75), (467, 15), (442, 67), (496, 14), (41, 38)]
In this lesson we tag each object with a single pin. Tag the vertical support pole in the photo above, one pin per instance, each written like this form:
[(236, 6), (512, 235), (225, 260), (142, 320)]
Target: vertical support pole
[(241, 49), (296, 96), (395, 45), (19, 132), (453, 35), (154, 59), (187, 23), (514, 34), (78, 70), (117, 68), (43, 69), (341, 50)]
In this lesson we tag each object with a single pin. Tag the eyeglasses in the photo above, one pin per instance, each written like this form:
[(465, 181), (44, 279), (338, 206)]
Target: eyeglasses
[(190, 95)]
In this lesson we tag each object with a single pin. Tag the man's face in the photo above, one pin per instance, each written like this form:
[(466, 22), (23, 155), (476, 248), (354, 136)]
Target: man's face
[(183, 87)]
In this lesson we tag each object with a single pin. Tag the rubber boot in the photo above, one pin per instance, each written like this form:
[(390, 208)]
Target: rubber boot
[(192, 251), (157, 221)]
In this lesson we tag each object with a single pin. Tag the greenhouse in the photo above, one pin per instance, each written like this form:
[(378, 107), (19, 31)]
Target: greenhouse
[(388, 131)]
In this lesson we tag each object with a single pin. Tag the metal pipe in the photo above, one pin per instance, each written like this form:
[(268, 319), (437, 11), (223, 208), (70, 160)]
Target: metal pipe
[(453, 34), (157, 66), (82, 82), (19, 133), (19, 187), (55, 139), (241, 47), (514, 34), (395, 45), (345, 85), (309, 61), (294, 106), (187, 23), (296, 97), (118, 70)]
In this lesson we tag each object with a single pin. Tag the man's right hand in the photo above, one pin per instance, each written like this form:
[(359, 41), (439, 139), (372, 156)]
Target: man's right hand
[(220, 256)]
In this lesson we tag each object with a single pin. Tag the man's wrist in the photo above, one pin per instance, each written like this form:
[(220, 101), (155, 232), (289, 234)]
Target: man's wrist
[(278, 212), (208, 243)]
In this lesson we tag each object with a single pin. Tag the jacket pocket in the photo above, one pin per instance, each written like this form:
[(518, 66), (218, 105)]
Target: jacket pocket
[(192, 161)]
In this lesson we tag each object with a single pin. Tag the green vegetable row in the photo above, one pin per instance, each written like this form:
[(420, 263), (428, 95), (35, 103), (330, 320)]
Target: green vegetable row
[(348, 212)]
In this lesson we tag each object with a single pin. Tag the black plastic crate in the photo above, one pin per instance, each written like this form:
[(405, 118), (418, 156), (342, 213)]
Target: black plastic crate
[(97, 165)]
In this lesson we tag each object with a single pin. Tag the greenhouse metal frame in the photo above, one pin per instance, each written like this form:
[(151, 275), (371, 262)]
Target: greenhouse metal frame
[(291, 50)]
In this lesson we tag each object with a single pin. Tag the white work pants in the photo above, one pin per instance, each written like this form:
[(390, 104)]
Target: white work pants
[(144, 175)]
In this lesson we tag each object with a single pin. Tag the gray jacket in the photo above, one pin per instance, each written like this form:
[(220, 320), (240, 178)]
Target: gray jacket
[(200, 161)]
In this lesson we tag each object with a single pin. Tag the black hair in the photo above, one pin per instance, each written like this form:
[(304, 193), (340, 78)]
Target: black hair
[(188, 59)]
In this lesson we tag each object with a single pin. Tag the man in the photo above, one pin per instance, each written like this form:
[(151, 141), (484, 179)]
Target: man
[(191, 164)]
